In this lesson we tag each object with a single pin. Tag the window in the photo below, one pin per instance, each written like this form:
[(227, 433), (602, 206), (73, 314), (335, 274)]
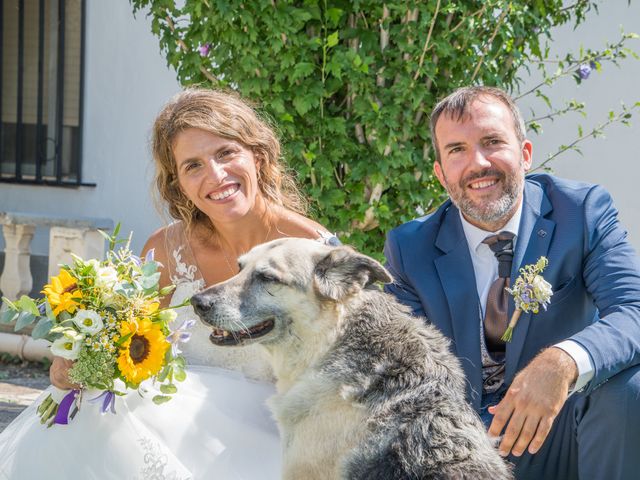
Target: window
[(41, 56)]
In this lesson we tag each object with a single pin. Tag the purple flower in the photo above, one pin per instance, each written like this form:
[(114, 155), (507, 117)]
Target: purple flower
[(108, 400), (592, 64), (150, 254), (180, 335), (204, 49), (584, 71), (525, 298)]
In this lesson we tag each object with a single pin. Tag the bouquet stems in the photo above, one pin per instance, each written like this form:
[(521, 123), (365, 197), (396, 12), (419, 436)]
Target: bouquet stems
[(508, 333), (47, 410)]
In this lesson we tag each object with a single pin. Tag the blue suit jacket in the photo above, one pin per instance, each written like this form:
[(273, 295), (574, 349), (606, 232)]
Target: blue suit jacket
[(594, 272)]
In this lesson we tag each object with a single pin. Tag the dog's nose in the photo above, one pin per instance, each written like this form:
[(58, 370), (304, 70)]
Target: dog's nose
[(201, 304)]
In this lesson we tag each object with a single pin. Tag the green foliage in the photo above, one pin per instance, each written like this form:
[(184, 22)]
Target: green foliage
[(95, 368), (350, 84)]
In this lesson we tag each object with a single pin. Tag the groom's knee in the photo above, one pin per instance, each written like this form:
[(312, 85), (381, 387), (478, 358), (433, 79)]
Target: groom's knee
[(617, 401)]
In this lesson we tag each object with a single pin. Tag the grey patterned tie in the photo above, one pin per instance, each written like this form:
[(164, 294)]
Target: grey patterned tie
[(495, 317)]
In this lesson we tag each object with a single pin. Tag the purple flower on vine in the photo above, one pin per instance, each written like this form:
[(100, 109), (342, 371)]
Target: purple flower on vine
[(204, 49), (584, 70)]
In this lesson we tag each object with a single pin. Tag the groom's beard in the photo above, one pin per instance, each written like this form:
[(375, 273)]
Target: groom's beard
[(487, 211)]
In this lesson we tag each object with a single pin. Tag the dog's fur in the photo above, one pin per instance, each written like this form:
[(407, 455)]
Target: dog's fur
[(364, 390)]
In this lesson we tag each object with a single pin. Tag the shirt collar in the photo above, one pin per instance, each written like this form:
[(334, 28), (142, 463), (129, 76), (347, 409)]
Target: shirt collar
[(476, 235)]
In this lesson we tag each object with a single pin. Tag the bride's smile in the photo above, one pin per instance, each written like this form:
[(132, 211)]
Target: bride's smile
[(217, 174)]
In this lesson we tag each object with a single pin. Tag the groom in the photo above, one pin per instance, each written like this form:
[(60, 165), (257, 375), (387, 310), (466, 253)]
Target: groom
[(565, 391)]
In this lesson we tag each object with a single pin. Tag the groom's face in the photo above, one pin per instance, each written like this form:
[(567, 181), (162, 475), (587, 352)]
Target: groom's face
[(482, 162)]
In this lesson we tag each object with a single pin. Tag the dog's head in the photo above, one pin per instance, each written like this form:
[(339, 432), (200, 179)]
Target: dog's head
[(281, 284)]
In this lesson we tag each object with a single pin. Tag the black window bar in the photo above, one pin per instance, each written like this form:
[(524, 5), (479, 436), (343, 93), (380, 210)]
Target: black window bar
[(42, 90)]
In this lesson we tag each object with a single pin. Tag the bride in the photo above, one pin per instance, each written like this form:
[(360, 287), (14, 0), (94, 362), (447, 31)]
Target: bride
[(218, 170)]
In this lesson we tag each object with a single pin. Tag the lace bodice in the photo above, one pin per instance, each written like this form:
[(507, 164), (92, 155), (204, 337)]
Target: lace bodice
[(251, 360)]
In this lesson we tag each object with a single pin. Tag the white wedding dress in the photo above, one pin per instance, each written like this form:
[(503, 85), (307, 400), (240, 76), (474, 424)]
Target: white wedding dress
[(216, 427)]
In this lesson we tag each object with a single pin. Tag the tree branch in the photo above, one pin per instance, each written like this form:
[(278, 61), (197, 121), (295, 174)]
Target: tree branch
[(622, 116), (212, 78), (488, 45), (426, 43)]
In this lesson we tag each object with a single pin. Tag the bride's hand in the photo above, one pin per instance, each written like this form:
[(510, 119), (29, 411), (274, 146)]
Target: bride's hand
[(59, 373)]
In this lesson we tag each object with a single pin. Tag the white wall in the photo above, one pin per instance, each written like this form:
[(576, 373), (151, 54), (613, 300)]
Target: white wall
[(612, 161), (126, 83)]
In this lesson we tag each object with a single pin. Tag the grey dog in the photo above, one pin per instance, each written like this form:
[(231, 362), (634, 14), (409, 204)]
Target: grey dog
[(364, 390)]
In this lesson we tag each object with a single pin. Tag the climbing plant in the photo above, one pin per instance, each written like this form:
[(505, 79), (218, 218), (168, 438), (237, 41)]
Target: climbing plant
[(350, 84)]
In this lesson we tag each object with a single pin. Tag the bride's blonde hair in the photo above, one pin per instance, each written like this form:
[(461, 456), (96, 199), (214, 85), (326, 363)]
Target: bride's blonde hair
[(226, 115)]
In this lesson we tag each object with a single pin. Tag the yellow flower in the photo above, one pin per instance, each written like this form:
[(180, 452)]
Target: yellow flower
[(142, 354), (62, 293), (149, 308)]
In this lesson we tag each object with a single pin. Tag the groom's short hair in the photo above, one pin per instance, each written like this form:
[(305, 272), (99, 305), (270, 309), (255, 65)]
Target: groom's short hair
[(456, 106)]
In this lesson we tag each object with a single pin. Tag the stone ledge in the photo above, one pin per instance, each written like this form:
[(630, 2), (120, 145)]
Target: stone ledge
[(39, 220)]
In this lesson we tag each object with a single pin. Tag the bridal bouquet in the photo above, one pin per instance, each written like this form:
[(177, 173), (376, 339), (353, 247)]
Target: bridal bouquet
[(106, 316)]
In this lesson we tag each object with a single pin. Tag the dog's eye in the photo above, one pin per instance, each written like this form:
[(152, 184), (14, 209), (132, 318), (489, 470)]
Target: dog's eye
[(267, 277)]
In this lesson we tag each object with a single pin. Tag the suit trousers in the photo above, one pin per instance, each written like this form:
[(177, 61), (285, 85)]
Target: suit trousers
[(594, 437)]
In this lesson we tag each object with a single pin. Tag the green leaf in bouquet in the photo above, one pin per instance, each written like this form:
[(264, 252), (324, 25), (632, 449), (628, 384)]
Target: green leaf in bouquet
[(150, 281), (164, 373), (129, 385), (160, 399), (149, 268), (167, 290), (8, 315), (28, 305), (49, 312), (78, 260), (123, 339), (179, 375), (42, 328), (180, 361), (126, 290), (168, 388), (9, 303), (24, 319)]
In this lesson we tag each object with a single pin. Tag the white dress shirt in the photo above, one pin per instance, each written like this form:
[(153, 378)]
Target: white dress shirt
[(485, 267)]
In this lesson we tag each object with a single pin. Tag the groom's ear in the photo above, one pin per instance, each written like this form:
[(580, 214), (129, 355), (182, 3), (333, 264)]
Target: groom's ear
[(343, 272), (437, 170)]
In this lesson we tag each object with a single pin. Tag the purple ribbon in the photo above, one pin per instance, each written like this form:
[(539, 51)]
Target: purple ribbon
[(62, 416), (108, 399)]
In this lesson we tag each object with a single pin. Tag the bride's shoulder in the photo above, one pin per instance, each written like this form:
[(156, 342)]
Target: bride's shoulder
[(164, 242), (157, 242), (293, 224)]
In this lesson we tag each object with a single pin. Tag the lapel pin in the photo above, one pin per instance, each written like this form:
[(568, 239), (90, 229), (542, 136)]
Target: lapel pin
[(542, 233)]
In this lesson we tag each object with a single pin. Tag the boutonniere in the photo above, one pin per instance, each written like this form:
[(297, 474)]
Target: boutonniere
[(529, 291)]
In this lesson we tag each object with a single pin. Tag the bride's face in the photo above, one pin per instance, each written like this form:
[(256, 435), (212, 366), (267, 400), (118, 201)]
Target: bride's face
[(217, 174)]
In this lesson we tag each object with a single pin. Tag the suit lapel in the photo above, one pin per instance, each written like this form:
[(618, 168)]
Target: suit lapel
[(455, 270), (534, 239)]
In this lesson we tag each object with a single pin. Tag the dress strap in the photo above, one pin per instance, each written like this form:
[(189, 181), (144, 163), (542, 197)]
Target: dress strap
[(182, 262), (328, 238)]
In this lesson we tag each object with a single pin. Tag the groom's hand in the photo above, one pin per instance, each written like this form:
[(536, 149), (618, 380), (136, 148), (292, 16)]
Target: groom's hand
[(533, 401)]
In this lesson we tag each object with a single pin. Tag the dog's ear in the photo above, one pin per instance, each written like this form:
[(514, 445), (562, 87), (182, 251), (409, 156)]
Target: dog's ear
[(344, 272)]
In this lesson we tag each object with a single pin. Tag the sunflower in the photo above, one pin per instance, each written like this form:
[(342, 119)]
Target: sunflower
[(142, 354), (62, 293)]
